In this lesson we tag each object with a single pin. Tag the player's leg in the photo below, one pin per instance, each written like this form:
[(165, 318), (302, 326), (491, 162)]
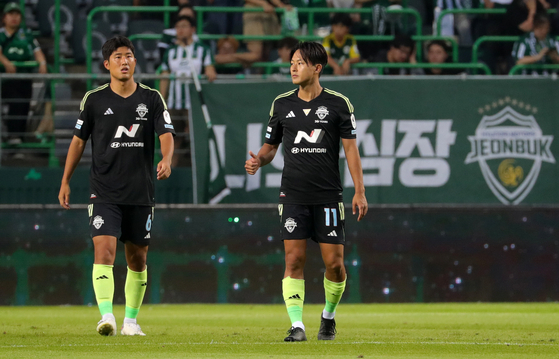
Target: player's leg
[(334, 286), (330, 229), (293, 286), (294, 233), (103, 282), (136, 236), (104, 222)]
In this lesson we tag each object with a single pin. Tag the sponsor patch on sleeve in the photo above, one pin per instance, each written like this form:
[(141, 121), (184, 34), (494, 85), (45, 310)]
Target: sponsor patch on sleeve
[(353, 132), (169, 126), (268, 135), (269, 129)]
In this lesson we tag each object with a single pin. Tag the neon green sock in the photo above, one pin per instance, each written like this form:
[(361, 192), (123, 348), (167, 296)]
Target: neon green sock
[(333, 293), (104, 287), (294, 297), (134, 290)]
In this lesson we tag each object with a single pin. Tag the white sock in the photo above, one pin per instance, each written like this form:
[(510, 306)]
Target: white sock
[(298, 325), (328, 315), (109, 316), (130, 320)]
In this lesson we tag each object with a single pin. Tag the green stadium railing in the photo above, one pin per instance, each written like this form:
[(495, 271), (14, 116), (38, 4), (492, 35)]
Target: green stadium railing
[(518, 68), (94, 11), (474, 11), (483, 39), (201, 10), (49, 145), (381, 66)]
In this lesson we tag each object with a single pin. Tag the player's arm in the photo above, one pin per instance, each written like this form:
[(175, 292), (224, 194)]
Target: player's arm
[(167, 149), (354, 165), (264, 156), (72, 159)]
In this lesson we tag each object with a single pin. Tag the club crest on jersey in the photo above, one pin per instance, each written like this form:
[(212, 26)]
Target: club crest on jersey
[(98, 222), (290, 224), (322, 112), (142, 110)]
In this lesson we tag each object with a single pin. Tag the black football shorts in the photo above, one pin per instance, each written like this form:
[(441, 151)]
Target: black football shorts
[(125, 222), (324, 223)]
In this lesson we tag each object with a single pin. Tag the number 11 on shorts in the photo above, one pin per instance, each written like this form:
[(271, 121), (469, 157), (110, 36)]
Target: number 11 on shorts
[(334, 216)]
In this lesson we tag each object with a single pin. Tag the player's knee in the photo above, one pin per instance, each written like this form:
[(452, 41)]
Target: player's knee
[(335, 267), (294, 261)]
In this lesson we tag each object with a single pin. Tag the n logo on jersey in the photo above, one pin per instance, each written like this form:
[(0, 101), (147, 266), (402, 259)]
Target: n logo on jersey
[(315, 137), (128, 132)]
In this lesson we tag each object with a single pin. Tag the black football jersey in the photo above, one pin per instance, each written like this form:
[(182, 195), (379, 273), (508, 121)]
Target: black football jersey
[(122, 134), (311, 133)]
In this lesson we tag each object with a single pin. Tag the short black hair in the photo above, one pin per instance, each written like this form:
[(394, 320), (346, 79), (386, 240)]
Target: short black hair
[(540, 20), (289, 42), (402, 40), (190, 19), (312, 52), (113, 44), (186, 6), (341, 19), (441, 43)]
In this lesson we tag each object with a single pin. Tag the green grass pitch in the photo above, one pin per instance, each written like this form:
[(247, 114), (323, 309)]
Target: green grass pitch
[(527, 330)]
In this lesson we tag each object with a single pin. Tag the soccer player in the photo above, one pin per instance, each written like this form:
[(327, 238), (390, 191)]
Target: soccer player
[(310, 121), (121, 118)]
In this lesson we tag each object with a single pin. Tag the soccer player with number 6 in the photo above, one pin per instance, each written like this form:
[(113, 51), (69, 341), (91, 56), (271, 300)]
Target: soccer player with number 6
[(310, 121), (121, 118)]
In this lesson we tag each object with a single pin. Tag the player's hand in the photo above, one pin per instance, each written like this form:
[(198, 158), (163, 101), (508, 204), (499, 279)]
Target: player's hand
[(359, 203), (163, 170), (64, 196), (252, 164)]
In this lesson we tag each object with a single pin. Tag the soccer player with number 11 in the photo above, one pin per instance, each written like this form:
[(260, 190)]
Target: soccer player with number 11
[(310, 121)]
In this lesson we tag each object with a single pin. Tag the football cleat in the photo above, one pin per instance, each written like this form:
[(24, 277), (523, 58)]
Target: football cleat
[(327, 329), (107, 327), (131, 329), (296, 334)]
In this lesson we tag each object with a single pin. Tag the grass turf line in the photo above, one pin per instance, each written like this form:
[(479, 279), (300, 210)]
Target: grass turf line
[(525, 330)]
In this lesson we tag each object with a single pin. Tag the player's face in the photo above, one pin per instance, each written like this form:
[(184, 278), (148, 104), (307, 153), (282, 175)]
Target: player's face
[(121, 64), (302, 72)]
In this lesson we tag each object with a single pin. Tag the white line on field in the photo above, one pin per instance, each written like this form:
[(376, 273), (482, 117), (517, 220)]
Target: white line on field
[(274, 343)]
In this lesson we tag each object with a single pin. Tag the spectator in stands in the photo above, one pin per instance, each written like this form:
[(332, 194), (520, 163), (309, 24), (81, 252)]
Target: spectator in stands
[(402, 50), (340, 46), (180, 59), (537, 47), (520, 15), (226, 48), (17, 44), (437, 53), (285, 46), (170, 35), (258, 24)]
